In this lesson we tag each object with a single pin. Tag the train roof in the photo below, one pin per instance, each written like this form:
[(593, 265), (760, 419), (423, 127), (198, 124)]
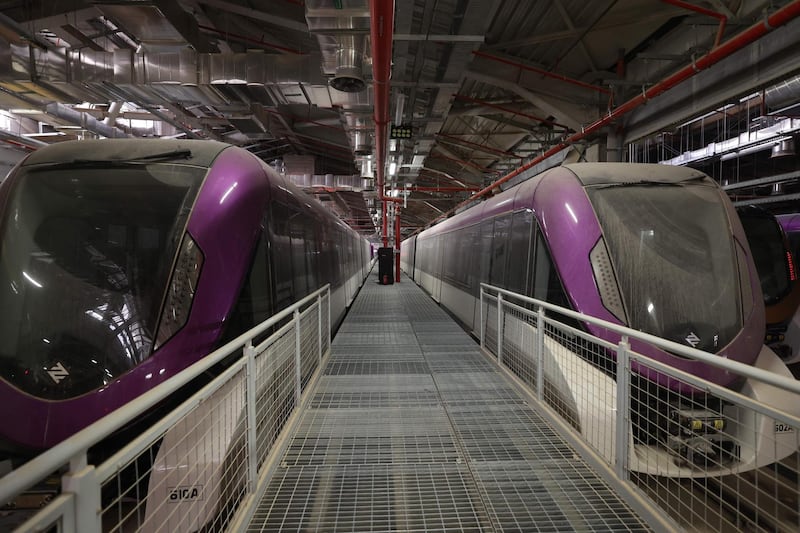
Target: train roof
[(587, 174), (620, 173), (201, 152)]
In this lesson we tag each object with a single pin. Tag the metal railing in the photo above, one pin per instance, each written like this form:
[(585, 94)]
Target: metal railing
[(198, 467), (717, 459)]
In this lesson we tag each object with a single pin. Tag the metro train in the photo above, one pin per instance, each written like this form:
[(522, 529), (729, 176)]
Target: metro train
[(651, 247), (791, 226), (124, 261), (777, 273)]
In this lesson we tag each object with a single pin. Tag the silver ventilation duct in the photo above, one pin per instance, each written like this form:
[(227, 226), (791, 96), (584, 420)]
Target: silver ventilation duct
[(349, 66)]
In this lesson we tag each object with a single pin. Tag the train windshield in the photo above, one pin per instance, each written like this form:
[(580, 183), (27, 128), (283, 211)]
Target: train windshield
[(675, 260), (85, 258)]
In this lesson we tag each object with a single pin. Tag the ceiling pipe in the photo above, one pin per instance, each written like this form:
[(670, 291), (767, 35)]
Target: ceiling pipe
[(781, 17), (465, 163), (418, 188), (723, 20), (546, 122), (479, 147), (545, 73), (381, 29)]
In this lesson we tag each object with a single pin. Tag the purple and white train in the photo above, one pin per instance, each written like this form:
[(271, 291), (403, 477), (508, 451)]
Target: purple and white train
[(124, 261), (656, 248)]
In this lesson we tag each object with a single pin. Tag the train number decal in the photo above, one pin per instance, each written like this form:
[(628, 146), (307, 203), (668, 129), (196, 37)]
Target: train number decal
[(185, 494), (783, 428)]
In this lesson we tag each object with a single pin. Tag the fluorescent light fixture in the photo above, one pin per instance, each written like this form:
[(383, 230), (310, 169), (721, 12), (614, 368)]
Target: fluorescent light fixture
[(26, 111), (392, 168)]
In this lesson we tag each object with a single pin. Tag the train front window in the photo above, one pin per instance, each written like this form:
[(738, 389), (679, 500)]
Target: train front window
[(674, 259), (85, 257), (765, 238)]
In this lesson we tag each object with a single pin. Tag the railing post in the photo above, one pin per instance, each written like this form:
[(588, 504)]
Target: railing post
[(540, 353), (250, 402), (85, 488), (623, 407), (481, 324), (319, 327), (330, 326), (297, 358), (499, 328)]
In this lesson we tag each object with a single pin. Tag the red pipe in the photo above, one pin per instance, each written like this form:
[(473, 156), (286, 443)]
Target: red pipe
[(723, 20), (749, 36), (480, 147), (542, 72), (381, 30), (465, 163), (440, 189), (509, 110)]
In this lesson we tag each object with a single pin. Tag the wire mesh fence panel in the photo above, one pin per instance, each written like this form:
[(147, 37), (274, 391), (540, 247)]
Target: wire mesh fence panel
[(325, 303), (275, 390), (519, 337), (490, 325), (309, 344), (725, 462), (714, 456), (189, 477)]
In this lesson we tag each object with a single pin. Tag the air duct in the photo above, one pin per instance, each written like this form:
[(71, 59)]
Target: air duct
[(784, 148), (348, 75)]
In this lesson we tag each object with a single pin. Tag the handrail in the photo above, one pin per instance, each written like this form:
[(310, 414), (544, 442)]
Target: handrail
[(686, 351), (23, 477)]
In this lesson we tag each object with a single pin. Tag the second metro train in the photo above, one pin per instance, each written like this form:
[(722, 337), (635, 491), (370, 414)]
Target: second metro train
[(124, 261), (652, 247), (777, 272)]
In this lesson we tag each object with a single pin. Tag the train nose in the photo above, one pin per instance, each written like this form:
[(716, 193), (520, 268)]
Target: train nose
[(696, 335), (62, 368)]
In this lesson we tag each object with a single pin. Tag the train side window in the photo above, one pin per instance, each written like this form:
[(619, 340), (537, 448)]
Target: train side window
[(518, 257), (502, 228), (300, 273), (470, 261), (485, 251), (281, 253)]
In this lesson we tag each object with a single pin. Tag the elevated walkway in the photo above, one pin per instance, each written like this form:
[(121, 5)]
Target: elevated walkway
[(411, 428)]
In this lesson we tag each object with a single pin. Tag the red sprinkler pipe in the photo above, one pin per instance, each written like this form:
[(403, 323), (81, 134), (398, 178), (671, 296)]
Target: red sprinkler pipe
[(477, 146), (723, 20), (465, 163), (381, 29), (509, 110), (784, 15), (417, 188), (542, 72)]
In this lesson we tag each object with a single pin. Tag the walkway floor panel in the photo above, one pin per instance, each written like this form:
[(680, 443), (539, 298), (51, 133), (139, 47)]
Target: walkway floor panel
[(411, 428)]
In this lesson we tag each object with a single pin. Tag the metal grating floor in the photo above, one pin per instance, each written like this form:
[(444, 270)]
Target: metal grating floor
[(411, 428)]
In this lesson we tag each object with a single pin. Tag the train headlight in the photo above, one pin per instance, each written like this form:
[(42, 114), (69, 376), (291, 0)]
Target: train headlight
[(606, 281), (181, 291)]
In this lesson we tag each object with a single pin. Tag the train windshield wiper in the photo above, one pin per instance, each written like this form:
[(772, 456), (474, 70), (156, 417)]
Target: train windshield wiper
[(171, 155)]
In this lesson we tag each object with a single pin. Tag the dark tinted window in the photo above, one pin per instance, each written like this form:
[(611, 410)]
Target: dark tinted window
[(85, 258), (282, 254), (518, 259), (255, 299), (663, 239), (765, 238), (502, 230)]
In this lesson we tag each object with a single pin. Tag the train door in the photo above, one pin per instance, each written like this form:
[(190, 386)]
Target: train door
[(280, 254), (438, 255)]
